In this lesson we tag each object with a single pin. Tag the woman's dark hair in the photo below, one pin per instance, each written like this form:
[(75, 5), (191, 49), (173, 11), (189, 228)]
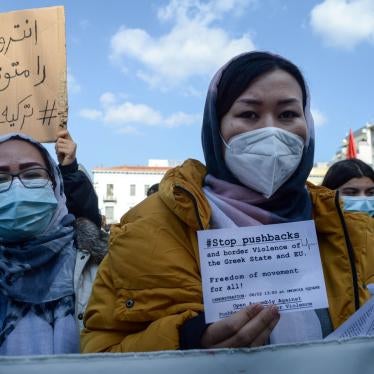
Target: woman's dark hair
[(152, 189), (343, 171), (240, 73)]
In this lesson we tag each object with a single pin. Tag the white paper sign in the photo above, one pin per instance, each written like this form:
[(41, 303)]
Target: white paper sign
[(269, 264), (360, 323)]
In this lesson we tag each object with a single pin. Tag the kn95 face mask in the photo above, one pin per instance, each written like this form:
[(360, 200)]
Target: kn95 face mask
[(265, 158)]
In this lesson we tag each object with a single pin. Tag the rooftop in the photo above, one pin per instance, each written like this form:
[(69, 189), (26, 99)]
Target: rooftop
[(133, 169)]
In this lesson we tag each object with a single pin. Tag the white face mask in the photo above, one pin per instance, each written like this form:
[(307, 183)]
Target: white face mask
[(265, 158)]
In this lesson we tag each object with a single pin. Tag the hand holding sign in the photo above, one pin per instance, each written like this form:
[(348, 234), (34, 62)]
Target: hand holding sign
[(250, 327), (65, 148)]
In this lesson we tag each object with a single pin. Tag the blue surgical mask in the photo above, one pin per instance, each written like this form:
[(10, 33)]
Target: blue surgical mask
[(359, 204), (25, 212)]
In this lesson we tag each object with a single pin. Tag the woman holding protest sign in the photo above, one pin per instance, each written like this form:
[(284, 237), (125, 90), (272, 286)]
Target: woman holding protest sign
[(258, 142), (44, 281)]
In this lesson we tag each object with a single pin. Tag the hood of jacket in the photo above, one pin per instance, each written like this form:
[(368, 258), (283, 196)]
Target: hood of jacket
[(91, 239), (181, 190)]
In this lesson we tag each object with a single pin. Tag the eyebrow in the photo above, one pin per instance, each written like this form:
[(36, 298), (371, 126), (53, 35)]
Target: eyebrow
[(248, 101), (350, 189), (23, 166)]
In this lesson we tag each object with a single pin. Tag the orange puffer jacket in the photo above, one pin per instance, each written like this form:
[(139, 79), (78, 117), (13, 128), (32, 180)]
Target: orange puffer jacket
[(149, 284)]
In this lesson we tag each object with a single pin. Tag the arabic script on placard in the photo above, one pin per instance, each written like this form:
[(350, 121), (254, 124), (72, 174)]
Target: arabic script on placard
[(33, 72)]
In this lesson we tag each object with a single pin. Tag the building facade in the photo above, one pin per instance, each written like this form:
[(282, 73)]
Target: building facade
[(364, 138), (119, 188), (318, 173)]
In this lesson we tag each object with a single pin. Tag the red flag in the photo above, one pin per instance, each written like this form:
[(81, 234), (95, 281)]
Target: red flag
[(351, 149)]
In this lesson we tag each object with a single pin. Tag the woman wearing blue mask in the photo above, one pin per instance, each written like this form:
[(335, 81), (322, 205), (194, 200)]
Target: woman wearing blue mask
[(354, 179), (41, 286), (258, 143)]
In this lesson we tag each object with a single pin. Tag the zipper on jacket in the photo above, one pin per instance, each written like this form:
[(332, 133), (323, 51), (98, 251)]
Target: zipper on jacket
[(350, 252), (194, 204)]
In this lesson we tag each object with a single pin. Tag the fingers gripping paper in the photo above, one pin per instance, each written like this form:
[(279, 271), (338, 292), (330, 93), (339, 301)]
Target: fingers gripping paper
[(33, 97)]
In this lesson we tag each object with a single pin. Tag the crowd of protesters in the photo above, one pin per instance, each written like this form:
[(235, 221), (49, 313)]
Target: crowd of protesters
[(146, 295)]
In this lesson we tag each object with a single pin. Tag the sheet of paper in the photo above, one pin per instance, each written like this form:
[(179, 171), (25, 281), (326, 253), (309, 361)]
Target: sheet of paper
[(360, 323), (269, 264), (33, 97)]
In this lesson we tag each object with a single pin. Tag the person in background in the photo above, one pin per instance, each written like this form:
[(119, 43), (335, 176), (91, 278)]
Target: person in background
[(354, 179), (44, 281), (92, 246), (81, 201), (258, 143), (105, 227), (81, 198), (152, 189)]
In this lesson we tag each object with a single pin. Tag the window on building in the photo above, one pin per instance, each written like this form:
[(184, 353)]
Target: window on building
[(132, 189), (146, 188), (109, 191), (109, 213)]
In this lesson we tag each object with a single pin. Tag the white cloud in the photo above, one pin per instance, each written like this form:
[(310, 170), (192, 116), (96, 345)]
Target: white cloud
[(91, 114), (192, 47), (344, 23), (181, 119), (319, 118), (128, 117), (73, 85), (107, 99), (130, 113)]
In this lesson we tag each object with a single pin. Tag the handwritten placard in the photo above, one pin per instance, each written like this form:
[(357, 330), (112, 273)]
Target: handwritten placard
[(269, 264), (33, 97)]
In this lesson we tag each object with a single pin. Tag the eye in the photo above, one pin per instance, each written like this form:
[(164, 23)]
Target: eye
[(5, 178), (350, 192), (370, 192), (34, 174), (289, 114), (249, 114)]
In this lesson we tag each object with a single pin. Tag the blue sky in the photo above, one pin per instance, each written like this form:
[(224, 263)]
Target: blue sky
[(139, 70)]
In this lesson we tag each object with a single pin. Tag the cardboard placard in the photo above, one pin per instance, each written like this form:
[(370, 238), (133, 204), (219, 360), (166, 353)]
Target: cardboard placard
[(33, 93)]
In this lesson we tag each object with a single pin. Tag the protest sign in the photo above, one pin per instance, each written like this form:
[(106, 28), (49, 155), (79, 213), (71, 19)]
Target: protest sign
[(361, 323), (269, 264), (33, 98)]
